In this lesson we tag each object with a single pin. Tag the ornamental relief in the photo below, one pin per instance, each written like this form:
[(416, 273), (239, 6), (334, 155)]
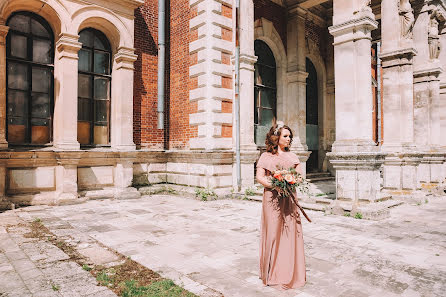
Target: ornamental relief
[(407, 19), (434, 37)]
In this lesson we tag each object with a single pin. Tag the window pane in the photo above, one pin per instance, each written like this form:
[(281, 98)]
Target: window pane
[(100, 43), (268, 98), (256, 106), (38, 29), (260, 134), (19, 23), (40, 131), (100, 134), (267, 76), (41, 80), (17, 103), (101, 64), (83, 109), (84, 60), (16, 130), (17, 76), (42, 51), (18, 46), (86, 38), (83, 132), (266, 117), (101, 112), (84, 86), (40, 105), (101, 88)]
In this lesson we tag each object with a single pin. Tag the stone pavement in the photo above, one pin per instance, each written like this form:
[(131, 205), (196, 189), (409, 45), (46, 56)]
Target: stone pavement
[(214, 244)]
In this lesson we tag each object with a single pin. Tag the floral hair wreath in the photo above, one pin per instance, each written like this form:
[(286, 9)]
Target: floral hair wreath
[(279, 124)]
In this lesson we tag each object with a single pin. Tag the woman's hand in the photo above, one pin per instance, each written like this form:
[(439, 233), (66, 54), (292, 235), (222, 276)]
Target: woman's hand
[(263, 179)]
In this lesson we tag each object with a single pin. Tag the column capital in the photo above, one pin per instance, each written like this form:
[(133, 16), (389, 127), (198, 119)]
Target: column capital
[(68, 46), (3, 32), (425, 75), (125, 57), (398, 57), (359, 27), (297, 76), (246, 62)]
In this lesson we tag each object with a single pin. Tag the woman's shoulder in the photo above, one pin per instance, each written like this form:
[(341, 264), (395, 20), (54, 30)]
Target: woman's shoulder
[(292, 156)]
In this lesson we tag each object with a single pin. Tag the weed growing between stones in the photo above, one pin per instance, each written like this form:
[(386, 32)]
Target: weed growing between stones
[(128, 279), (358, 215), (205, 194)]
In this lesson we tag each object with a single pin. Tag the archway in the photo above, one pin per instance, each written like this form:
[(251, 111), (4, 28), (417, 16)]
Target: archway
[(312, 117)]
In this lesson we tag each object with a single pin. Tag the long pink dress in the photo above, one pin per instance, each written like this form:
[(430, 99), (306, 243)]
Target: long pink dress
[(282, 259)]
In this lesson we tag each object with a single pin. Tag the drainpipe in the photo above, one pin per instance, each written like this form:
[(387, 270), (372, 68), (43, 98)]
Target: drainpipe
[(237, 96), (378, 78), (161, 60)]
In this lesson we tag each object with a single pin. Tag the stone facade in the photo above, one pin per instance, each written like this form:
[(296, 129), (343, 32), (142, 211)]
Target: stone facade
[(322, 52)]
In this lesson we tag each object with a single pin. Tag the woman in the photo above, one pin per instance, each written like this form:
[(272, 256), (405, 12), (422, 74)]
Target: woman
[(282, 260)]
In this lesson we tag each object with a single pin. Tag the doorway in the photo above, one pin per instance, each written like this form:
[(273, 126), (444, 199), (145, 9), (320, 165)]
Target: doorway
[(312, 117)]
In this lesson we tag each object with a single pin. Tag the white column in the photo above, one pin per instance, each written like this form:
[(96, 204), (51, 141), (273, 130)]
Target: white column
[(122, 100), (247, 61), (3, 33), (354, 155), (66, 176), (65, 103), (353, 81)]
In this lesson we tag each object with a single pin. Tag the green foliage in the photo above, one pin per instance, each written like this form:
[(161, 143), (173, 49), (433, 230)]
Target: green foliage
[(205, 194), (163, 288), (347, 214), (104, 279), (358, 215), (86, 267), (250, 191), (37, 220), (55, 287)]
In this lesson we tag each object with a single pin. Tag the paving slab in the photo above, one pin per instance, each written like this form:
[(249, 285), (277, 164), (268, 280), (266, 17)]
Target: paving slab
[(214, 245)]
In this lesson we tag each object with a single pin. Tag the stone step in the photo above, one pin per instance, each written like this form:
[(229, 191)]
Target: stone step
[(318, 174), (319, 179)]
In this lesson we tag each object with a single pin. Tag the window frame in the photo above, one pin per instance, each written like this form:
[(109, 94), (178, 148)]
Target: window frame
[(91, 74), (258, 88), (30, 64)]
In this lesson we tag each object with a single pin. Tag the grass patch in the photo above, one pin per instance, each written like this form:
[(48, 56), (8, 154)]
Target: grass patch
[(205, 194), (358, 215), (129, 279), (346, 214)]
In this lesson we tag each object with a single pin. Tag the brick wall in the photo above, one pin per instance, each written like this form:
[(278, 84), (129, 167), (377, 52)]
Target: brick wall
[(274, 13), (177, 106)]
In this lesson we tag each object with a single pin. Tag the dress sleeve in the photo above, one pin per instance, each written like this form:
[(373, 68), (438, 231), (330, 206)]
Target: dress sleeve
[(266, 162), (295, 159)]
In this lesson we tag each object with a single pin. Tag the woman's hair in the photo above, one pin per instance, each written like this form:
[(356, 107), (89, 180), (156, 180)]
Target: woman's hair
[(272, 138)]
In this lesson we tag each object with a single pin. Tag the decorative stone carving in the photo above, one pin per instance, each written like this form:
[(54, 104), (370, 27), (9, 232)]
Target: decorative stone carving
[(407, 19), (366, 5), (433, 37)]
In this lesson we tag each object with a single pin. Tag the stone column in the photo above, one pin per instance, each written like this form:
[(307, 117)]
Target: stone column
[(397, 54), (65, 105), (295, 100), (442, 59), (123, 176), (354, 154), (66, 177), (121, 118), (427, 71), (3, 112)]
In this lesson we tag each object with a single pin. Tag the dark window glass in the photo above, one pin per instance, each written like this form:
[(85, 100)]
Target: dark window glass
[(30, 79), (264, 91), (94, 88)]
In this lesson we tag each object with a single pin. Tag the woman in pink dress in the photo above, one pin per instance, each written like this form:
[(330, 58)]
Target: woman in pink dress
[(282, 259)]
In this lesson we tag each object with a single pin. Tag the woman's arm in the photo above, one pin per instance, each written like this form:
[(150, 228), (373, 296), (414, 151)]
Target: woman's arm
[(262, 178)]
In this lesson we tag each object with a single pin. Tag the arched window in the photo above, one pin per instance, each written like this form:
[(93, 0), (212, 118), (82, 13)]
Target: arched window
[(29, 72), (264, 91), (93, 126)]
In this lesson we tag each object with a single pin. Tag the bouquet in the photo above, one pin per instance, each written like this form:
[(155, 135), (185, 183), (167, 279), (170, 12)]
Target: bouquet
[(286, 182)]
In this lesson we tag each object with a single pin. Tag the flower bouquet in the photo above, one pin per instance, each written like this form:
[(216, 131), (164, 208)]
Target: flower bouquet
[(286, 182)]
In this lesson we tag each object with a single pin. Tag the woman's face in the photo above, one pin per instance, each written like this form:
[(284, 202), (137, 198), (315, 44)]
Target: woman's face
[(284, 139)]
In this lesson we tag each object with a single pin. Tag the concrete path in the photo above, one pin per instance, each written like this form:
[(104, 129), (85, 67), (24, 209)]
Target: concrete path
[(214, 244)]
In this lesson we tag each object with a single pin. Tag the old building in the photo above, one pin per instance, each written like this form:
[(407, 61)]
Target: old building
[(360, 83)]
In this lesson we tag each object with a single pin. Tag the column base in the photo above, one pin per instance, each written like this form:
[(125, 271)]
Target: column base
[(3, 145), (358, 177), (67, 146), (400, 172), (124, 147), (354, 146)]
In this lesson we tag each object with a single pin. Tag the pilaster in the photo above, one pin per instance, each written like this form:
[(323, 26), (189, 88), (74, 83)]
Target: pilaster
[(354, 156), (122, 100), (66, 81), (213, 76), (3, 33)]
